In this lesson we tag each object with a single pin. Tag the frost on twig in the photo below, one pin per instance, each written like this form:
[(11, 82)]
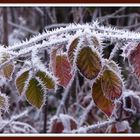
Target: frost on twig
[(93, 127), (15, 124)]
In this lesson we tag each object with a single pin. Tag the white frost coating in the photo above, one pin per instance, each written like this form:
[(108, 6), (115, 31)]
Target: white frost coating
[(128, 48), (122, 126), (47, 34)]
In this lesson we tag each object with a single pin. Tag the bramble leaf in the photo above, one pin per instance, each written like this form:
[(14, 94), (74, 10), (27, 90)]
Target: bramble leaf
[(20, 81), (100, 100), (111, 84), (62, 70), (8, 70), (88, 63), (34, 93)]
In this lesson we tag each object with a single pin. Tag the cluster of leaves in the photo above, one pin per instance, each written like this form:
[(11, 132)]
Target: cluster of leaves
[(82, 53)]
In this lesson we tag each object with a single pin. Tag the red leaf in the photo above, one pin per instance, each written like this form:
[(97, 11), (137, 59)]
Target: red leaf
[(100, 100), (62, 70), (58, 125)]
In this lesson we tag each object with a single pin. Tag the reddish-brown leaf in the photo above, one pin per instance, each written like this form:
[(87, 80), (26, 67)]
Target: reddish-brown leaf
[(111, 85), (100, 100), (62, 70), (57, 125)]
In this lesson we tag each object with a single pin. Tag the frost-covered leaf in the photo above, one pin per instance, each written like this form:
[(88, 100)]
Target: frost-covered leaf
[(8, 70), (62, 123), (46, 79), (62, 70), (134, 58), (111, 84), (88, 63), (100, 100), (20, 81), (34, 93), (71, 50)]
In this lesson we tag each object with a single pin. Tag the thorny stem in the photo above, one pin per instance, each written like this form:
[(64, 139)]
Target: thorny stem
[(94, 126), (106, 32), (15, 118)]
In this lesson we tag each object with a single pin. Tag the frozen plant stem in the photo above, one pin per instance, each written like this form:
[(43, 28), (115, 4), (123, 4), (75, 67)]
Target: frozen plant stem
[(14, 118), (93, 127)]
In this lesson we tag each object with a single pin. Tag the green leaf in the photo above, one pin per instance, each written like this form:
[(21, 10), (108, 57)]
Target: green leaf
[(100, 100), (46, 79), (111, 84), (71, 50), (34, 93), (88, 63), (20, 81)]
